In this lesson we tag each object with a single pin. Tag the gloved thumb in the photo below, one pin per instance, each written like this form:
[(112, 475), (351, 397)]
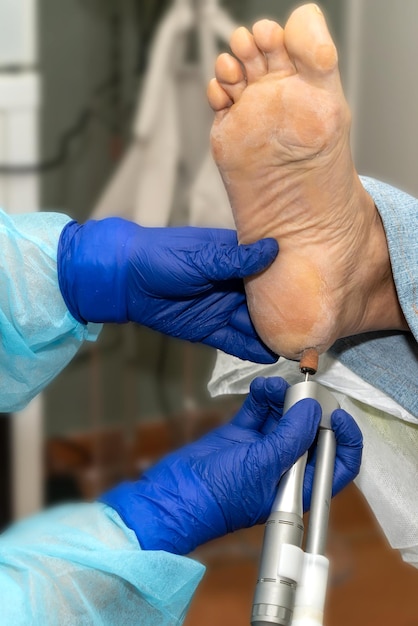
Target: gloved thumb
[(349, 450), (231, 262), (294, 435)]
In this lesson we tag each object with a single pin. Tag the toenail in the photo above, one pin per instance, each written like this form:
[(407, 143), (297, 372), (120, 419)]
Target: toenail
[(318, 9)]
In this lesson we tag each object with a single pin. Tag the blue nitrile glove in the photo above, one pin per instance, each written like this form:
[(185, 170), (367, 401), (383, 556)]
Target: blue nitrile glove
[(225, 481), (348, 455), (185, 282)]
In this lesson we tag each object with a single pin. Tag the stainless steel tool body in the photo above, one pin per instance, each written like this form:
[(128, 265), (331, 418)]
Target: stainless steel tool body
[(284, 591)]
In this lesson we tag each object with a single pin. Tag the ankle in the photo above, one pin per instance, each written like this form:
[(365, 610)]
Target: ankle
[(383, 310)]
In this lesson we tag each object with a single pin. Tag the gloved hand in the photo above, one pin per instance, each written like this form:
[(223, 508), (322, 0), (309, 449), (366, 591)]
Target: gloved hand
[(185, 282), (348, 455), (227, 480)]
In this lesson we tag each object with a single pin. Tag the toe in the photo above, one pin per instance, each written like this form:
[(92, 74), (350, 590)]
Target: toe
[(217, 96), (230, 77), (269, 38), (309, 42), (245, 49)]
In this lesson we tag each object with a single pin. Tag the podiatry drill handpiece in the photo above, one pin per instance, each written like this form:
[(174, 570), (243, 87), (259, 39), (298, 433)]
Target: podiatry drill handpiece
[(312, 586), (282, 559)]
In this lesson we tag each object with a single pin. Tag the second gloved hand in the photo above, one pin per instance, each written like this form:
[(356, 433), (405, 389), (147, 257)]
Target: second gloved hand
[(228, 479), (184, 282)]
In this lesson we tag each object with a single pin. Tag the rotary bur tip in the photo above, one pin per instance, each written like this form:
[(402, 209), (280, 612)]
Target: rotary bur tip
[(309, 362)]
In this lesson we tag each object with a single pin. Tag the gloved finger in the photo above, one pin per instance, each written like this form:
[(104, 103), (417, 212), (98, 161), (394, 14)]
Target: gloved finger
[(348, 455), (190, 237), (271, 390), (265, 394), (294, 434), (244, 347), (347, 432), (219, 263), (349, 449), (217, 236), (241, 321), (274, 391)]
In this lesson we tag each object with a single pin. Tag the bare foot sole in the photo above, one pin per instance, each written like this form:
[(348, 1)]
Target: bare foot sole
[(280, 139)]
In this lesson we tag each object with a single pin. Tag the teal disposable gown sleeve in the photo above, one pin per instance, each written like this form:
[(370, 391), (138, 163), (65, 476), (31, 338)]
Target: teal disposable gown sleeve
[(79, 564), (38, 334)]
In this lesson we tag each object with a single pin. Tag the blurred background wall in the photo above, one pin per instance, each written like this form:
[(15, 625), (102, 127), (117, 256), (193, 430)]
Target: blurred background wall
[(380, 52)]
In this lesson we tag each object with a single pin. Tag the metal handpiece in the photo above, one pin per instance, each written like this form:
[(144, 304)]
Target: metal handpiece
[(316, 536), (312, 587), (282, 557)]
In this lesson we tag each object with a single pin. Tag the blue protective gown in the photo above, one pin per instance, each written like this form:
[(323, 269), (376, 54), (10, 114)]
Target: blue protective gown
[(38, 334), (74, 564), (79, 565)]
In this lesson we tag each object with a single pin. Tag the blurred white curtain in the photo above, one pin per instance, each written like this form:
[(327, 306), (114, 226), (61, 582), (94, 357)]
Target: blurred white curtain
[(167, 173)]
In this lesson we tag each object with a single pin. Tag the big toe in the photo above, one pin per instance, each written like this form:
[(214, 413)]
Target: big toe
[(309, 43)]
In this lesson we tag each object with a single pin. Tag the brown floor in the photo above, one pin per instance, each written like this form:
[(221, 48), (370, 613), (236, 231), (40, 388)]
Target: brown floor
[(369, 583)]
